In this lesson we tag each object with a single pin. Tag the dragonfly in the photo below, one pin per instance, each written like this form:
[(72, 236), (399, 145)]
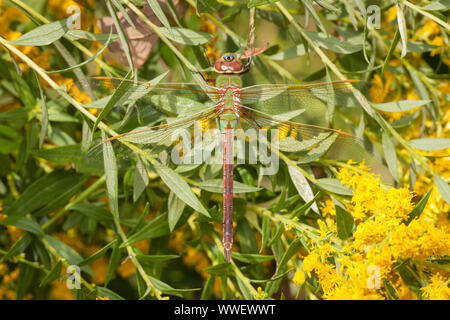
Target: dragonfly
[(228, 106)]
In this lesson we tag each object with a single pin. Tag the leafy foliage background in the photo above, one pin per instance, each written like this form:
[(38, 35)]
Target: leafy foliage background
[(132, 234)]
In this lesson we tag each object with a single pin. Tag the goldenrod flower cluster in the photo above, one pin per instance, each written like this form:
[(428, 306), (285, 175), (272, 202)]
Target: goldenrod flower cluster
[(363, 266)]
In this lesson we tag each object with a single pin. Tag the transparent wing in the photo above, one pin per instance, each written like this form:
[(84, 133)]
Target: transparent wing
[(314, 99), (149, 138), (173, 99), (306, 142)]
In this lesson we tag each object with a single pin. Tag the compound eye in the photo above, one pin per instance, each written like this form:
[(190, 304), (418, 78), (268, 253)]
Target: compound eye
[(228, 57)]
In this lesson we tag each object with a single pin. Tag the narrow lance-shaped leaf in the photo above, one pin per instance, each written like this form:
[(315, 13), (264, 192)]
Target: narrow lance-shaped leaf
[(443, 187), (207, 6), (180, 187), (123, 39), (140, 179), (159, 12), (98, 254), (419, 207), (257, 3), (429, 144), (344, 222), (175, 209), (110, 164), (115, 98), (113, 262), (47, 33), (99, 52), (335, 186), (186, 36), (52, 275), (390, 155), (400, 106), (402, 28), (302, 186)]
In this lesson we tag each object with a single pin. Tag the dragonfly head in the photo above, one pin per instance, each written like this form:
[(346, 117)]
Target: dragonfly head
[(228, 63)]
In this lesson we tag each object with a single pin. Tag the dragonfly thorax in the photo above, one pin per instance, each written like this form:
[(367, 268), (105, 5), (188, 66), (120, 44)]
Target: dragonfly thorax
[(228, 81)]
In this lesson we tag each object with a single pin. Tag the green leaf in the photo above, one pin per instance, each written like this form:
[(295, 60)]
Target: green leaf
[(277, 235), (180, 187), (97, 254), (141, 219), (257, 3), (291, 251), (251, 257), (113, 262), (414, 46), (116, 98), (92, 211), (344, 223), (335, 186), (408, 277), (26, 277), (391, 50), (439, 5), (44, 193), (312, 11), (44, 111), (208, 288), (18, 247), (428, 144), (10, 140), (158, 12), (216, 186), (157, 227), (176, 105), (71, 256), (52, 275), (334, 44), (207, 6), (390, 155), (400, 106), (443, 187), (76, 34), (244, 290), (419, 207), (402, 28), (140, 180), (219, 269), (290, 144), (303, 208), (302, 186), (29, 225), (99, 52), (122, 36), (148, 259), (265, 232), (105, 292), (289, 53), (175, 207), (111, 176), (390, 289), (186, 36), (165, 288), (47, 33)]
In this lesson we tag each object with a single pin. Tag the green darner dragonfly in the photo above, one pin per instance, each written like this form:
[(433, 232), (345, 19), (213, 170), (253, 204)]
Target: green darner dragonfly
[(227, 106)]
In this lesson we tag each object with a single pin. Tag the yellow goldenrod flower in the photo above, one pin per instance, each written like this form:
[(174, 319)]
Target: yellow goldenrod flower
[(299, 277)]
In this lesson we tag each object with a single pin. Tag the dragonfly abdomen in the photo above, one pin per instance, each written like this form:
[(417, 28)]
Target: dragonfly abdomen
[(227, 227)]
